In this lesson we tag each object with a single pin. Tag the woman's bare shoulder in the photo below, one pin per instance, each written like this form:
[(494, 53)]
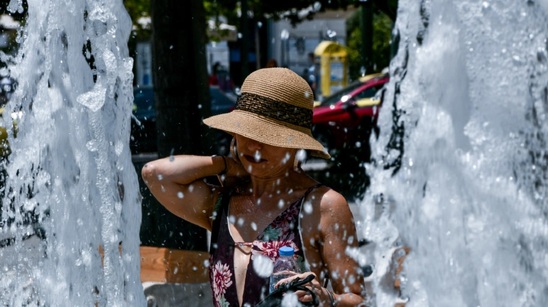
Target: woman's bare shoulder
[(328, 198)]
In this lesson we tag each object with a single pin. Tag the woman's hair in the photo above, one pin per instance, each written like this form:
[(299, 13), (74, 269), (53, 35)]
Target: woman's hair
[(271, 63)]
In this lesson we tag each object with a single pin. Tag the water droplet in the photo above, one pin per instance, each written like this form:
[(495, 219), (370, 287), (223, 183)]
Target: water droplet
[(286, 158), (301, 155), (257, 156), (290, 299), (262, 265), (351, 279), (307, 207)]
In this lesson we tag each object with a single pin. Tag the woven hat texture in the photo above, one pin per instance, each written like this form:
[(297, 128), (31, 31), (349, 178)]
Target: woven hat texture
[(274, 108)]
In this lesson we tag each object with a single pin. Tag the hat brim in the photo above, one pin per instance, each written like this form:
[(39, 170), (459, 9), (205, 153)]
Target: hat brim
[(267, 131)]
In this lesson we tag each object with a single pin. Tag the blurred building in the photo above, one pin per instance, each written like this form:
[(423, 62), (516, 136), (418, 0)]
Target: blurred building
[(290, 45)]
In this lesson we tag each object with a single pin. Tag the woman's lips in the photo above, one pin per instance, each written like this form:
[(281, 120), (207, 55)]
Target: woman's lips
[(252, 159)]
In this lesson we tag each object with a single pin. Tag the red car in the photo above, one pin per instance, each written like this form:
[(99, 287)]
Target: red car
[(345, 119)]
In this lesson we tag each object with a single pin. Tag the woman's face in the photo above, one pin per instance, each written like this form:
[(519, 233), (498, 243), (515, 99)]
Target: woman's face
[(264, 160)]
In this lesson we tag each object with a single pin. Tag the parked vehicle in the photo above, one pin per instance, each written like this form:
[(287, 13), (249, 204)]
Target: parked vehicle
[(143, 125), (332, 99), (345, 119)]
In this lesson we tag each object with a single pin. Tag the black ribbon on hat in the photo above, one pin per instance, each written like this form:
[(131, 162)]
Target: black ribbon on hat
[(277, 110)]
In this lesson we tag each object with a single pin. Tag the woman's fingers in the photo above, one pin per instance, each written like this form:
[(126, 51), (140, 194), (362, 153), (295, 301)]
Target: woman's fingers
[(305, 296), (234, 168), (314, 286), (293, 276)]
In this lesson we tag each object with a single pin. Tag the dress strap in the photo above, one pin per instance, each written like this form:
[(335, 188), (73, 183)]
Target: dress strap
[(317, 185), (218, 211)]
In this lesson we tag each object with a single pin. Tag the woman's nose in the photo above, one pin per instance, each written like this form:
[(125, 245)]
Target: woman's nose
[(253, 145)]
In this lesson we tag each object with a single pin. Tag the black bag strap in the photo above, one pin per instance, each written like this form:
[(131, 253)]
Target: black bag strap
[(275, 298)]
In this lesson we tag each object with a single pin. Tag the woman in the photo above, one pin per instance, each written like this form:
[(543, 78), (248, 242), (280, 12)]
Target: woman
[(266, 201)]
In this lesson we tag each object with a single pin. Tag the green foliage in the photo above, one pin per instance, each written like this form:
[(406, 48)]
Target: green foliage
[(290, 10), (229, 11), (382, 28), (261, 9), (382, 40), (139, 9), (273, 9)]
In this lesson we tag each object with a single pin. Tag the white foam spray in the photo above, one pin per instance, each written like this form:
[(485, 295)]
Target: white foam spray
[(462, 159), (70, 162)]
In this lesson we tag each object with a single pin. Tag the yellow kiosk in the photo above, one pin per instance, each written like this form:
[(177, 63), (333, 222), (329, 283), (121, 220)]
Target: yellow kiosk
[(333, 67)]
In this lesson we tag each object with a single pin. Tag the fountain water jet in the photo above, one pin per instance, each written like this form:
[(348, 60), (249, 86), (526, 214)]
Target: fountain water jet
[(462, 157), (70, 163)]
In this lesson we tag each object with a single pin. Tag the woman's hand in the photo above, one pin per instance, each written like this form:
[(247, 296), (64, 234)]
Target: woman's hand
[(234, 168), (325, 297)]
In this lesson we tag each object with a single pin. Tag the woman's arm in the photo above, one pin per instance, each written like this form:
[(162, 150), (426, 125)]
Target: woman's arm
[(338, 233), (176, 182), (328, 230)]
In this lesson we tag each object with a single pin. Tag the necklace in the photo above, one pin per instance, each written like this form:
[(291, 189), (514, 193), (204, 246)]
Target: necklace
[(244, 247)]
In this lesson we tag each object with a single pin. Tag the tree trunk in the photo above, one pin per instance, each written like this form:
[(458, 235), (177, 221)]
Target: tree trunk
[(182, 100), (180, 75)]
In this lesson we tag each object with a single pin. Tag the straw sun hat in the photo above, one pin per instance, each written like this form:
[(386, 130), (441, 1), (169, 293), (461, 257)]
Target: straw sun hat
[(274, 108)]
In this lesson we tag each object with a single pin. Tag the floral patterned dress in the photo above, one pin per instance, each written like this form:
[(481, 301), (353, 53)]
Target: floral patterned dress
[(283, 231)]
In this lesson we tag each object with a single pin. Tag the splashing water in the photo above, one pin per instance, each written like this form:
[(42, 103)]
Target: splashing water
[(461, 162), (70, 163)]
